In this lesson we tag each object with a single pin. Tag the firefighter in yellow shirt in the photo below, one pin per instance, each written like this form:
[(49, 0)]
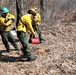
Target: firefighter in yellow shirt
[(25, 25), (36, 24), (5, 26)]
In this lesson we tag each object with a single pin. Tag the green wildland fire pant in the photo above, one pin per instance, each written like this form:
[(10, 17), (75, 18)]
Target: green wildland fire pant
[(24, 41), (37, 28), (8, 37)]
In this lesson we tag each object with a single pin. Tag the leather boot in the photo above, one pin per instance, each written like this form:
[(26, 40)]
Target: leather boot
[(31, 58)]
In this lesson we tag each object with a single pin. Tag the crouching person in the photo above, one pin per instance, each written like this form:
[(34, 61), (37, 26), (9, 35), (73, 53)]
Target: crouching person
[(6, 20), (25, 24)]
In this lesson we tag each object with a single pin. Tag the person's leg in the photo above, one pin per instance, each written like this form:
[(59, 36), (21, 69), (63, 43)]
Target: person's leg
[(26, 49), (32, 35), (24, 41), (5, 40), (38, 30), (12, 40)]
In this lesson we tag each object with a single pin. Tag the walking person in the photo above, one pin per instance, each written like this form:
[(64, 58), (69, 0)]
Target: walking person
[(6, 20), (36, 24), (25, 24)]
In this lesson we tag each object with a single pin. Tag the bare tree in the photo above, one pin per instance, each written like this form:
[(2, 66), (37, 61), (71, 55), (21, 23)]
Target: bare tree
[(41, 8), (19, 9)]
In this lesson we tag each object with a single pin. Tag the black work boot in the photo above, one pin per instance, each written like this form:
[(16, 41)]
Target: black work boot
[(8, 50), (17, 49), (42, 40), (31, 58), (23, 56)]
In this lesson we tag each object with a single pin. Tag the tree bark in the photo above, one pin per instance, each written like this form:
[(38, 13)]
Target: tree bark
[(19, 9), (41, 9)]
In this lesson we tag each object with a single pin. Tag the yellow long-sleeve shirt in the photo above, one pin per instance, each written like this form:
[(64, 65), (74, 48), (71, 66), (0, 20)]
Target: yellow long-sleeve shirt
[(36, 20), (6, 26), (25, 24)]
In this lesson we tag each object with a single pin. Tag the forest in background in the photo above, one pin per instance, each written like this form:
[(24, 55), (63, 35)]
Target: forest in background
[(50, 10), (57, 54)]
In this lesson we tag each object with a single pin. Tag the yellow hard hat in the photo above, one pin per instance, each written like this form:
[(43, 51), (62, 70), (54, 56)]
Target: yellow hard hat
[(35, 8), (32, 11)]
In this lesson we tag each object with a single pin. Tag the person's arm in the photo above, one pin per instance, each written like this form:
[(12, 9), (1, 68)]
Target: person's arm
[(29, 25), (11, 16), (5, 23), (37, 18)]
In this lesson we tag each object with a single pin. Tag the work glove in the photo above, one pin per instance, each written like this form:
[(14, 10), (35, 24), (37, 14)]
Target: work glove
[(6, 20), (14, 28), (13, 19), (32, 35)]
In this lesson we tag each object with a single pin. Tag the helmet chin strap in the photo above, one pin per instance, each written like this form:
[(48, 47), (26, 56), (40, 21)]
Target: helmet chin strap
[(31, 15), (5, 15)]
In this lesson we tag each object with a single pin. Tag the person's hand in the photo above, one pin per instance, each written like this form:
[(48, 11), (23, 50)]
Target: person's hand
[(13, 19), (34, 20), (6, 20), (33, 35)]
